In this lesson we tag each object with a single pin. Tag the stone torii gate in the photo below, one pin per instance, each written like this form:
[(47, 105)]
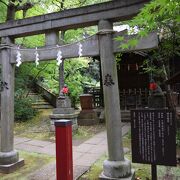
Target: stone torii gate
[(103, 44)]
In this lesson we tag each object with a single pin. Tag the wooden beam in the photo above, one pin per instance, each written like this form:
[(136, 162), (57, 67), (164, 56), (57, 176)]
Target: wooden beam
[(90, 49), (73, 18)]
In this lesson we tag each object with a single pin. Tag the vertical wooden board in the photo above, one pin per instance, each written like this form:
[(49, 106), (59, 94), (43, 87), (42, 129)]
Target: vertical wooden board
[(153, 135)]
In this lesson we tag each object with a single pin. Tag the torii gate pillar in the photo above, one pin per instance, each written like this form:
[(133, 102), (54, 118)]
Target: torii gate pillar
[(9, 158), (116, 167)]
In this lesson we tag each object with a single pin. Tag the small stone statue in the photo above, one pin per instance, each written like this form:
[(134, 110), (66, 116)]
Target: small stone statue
[(156, 98), (155, 89), (64, 91), (63, 100), (64, 110)]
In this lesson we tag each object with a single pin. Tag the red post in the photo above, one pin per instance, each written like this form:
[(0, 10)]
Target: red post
[(64, 161)]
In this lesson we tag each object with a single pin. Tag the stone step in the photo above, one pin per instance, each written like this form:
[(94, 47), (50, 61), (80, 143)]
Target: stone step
[(36, 98), (126, 120), (32, 93), (44, 106), (125, 116), (40, 103)]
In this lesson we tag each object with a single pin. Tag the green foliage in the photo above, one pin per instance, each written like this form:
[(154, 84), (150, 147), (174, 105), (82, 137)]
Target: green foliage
[(74, 78), (22, 103), (118, 58), (76, 35), (151, 67), (95, 170), (3, 12), (76, 75), (37, 127), (31, 41), (158, 15), (133, 42), (33, 162), (119, 38), (23, 106), (163, 17), (79, 74), (68, 4)]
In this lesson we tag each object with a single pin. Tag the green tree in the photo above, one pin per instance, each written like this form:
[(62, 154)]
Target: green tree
[(19, 9), (163, 17)]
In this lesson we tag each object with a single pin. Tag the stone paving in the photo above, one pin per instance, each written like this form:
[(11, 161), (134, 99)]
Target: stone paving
[(84, 155)]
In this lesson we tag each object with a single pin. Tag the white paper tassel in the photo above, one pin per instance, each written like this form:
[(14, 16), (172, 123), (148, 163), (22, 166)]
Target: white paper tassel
[(18, 58), (37, 58), (59, 57), (80, 50)]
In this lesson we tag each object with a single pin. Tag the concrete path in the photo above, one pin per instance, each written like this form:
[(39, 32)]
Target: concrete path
[(84, 155)]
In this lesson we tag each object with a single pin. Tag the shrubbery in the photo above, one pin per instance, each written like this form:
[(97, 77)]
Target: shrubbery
[(23, 106)]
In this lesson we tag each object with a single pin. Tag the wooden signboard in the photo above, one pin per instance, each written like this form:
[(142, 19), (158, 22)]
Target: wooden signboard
[(153, 137)]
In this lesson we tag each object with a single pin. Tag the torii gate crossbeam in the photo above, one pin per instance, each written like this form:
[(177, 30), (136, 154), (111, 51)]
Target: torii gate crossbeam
[(73, 18), (90, 48)]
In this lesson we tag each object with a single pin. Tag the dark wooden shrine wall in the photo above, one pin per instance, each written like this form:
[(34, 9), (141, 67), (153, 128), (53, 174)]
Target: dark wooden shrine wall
[(130, 74)]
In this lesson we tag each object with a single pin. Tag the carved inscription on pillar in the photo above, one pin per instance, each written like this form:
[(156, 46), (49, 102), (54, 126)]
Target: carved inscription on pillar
[(3, 85), (108, 81)]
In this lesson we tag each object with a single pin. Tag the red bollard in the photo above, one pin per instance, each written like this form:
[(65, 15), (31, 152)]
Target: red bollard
[(64, 161)]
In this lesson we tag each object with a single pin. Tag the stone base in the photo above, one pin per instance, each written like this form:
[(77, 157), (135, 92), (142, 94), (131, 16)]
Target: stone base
[(63, 102), (63, 111), (9, 168), (74, 126), (72, 117), (88, 118), (131, 177), (9, 157), (117, 169), (156, 101)]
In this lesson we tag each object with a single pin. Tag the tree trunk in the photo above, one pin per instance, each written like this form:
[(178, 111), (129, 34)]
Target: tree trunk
[(169, 91), (11, 11)]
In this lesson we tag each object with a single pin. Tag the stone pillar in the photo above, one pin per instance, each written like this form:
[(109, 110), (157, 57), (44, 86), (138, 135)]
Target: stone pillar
[(116, 167), (52, 38), (61, 76), (9, 158), (61, 67)]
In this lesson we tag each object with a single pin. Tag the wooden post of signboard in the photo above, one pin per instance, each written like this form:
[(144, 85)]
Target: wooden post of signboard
[(154, 172)]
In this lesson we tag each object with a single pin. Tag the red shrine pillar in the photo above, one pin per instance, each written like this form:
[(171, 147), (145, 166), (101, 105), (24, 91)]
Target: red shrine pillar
[(64, 161)]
